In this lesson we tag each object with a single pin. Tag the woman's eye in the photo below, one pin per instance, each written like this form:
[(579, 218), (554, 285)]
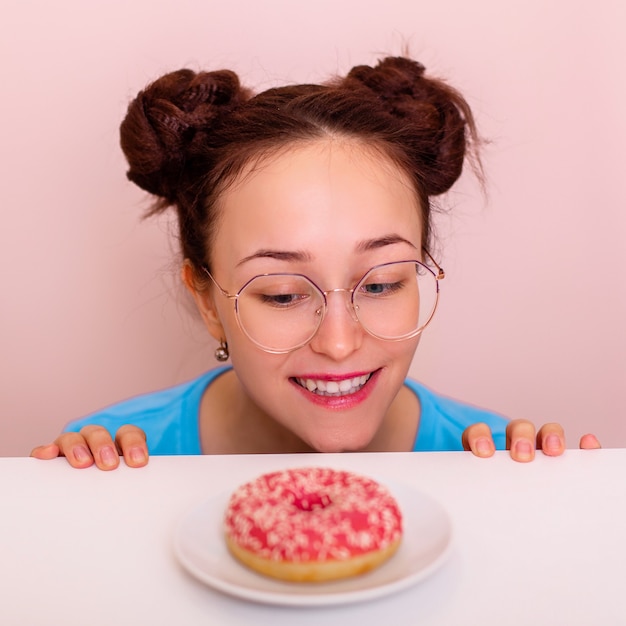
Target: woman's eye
[(282, 299), (376, 289)]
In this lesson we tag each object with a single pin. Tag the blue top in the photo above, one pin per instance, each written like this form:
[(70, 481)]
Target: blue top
[(170, 418)]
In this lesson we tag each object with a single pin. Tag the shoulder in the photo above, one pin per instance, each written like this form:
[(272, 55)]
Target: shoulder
[(164, 415), (443, 420)]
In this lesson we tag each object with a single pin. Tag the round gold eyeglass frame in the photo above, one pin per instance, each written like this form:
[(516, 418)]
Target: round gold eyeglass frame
[(438, 275)]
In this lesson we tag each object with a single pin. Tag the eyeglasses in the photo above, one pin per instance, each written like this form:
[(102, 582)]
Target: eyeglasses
[(283, 312)]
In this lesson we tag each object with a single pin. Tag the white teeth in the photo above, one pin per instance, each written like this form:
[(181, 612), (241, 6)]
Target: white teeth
[(333, 388), (344, 386)]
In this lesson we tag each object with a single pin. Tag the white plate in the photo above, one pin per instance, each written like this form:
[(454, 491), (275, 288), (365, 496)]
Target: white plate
[(200, 547)]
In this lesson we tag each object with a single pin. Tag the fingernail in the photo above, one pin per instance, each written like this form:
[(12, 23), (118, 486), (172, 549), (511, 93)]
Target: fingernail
[(81, 454), (483, 446), (137, 455), (108, 456), (523, 450), (552, 443)]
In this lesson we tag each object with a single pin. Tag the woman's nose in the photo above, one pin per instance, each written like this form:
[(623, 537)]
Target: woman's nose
[(340, 332)]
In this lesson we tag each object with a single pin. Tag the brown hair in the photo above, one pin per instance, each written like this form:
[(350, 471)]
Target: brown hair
[(189, 135)]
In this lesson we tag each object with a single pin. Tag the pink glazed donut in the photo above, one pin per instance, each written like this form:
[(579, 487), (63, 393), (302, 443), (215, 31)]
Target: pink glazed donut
[(312, 524)]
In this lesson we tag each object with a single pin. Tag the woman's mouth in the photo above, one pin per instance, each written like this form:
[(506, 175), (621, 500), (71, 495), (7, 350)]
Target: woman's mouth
[(334, 388)]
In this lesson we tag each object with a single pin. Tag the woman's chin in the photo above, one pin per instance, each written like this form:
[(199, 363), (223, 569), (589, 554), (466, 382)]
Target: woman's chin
[(339, 444)]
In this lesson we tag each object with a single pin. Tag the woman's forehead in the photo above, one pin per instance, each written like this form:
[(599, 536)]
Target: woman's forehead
[(367, 157), (337, 174), (315, 196)]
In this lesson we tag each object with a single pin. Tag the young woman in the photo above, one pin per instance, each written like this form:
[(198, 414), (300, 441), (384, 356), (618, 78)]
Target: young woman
[(304, 215)]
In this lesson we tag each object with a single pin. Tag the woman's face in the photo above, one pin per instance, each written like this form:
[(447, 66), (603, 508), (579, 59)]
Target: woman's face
[(330, 210)]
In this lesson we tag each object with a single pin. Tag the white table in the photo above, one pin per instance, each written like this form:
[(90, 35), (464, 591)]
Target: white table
[(539, 543)]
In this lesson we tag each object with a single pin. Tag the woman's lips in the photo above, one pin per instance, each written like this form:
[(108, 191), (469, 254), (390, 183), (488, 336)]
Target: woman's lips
[(335, 388), (341, 393)]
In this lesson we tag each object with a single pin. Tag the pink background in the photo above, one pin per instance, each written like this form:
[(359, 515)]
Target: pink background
[(533, 310)]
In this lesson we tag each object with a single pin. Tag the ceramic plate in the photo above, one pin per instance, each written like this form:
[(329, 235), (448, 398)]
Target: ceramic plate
[(200, 547)]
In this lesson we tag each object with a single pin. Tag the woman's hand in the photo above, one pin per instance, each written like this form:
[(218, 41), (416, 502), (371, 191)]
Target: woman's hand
[(522, 440), (94, 444)]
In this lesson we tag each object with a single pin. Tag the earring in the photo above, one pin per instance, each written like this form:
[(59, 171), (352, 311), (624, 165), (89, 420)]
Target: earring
[(221, 352)]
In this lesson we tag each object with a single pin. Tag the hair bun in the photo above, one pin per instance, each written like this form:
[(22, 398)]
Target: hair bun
[(391, 77), (434, 113), (159, 133)]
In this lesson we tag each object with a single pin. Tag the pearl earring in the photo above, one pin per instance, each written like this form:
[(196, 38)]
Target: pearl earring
[(221, 352)]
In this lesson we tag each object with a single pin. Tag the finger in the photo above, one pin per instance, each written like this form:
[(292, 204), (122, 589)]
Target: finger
[(551, 439), (102, 446), (478, 440), (589, 442), (131, 441), (520, 440), (45, 453), (75, 449)]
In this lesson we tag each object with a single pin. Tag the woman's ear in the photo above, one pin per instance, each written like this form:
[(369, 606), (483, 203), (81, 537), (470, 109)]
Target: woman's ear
[(204, 301)]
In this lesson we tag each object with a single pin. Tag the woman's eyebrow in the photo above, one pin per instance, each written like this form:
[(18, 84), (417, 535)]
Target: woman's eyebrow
[(302, 257), (380, 242), (280, 255)]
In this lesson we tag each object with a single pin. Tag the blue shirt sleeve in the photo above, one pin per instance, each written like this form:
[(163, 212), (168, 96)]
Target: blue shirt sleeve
[(443, 420), (170, 418)]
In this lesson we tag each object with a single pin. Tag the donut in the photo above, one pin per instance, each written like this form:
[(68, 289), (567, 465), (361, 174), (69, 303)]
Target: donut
[(312, 524)]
